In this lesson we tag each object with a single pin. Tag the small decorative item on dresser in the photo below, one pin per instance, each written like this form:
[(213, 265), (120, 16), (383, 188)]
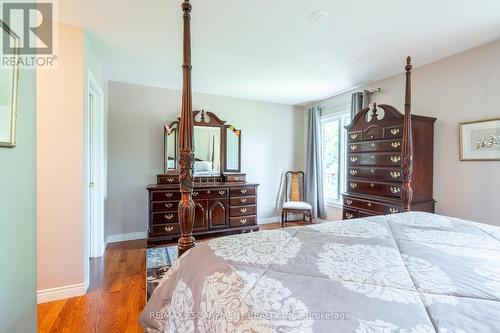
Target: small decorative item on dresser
[(8, 92), (480, 140)]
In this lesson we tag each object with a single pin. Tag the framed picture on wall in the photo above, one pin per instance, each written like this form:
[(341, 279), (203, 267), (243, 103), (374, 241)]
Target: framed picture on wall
[(480, 140), (8, 91)]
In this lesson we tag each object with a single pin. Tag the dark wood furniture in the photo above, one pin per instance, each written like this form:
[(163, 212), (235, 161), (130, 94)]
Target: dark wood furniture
[(187, 207), (294, 195), (223, 206), (377, 162)]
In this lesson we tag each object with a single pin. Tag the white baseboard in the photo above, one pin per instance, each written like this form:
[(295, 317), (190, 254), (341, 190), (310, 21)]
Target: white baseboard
[(126, 237), (54, 294), (267, 220)]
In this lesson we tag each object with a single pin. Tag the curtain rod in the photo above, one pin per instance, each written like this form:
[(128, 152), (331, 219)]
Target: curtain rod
[(374, 91)]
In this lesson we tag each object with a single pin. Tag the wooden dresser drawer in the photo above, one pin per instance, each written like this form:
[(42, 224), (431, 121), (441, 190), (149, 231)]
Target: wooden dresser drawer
[(380, 159), (242, 191), (165, 195), (235, 177), (165, 206), (373, 132), (372, 206), (374, 188), (243, 201), (393, 132), (242, 211), (390, 174), (164, 230), (164, 217), (349, 214), (242, 221), (167, 179), (354, 136), (369, 146), (210, 194)]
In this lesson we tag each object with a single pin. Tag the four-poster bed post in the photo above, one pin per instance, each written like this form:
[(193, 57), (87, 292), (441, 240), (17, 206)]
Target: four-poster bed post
[(186, 156), (407, 144)]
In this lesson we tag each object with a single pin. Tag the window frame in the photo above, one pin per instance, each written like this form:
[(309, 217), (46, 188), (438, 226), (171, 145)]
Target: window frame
[(343, 116)]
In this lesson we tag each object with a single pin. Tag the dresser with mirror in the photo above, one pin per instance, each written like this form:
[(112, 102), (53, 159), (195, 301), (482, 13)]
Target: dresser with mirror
[(224, 200)]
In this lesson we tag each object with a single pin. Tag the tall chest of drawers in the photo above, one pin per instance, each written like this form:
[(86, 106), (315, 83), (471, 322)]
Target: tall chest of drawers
[(223, 206), (374, 175)]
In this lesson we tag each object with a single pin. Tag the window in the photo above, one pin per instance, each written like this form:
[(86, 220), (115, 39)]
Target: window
[(334, 155)]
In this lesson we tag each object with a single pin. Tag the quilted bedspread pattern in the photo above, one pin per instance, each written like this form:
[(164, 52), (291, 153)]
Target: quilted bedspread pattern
[(411, 273)]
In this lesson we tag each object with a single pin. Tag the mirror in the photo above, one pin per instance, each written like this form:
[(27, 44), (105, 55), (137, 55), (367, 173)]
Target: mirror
[(216, 146), (233, 147), (207, 152), (170, 147)]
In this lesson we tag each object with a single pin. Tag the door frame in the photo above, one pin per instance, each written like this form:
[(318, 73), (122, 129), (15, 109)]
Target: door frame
[(94, 171)]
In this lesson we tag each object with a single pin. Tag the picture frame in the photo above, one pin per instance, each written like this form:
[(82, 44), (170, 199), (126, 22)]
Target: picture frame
[(9, 85), (480, 140)]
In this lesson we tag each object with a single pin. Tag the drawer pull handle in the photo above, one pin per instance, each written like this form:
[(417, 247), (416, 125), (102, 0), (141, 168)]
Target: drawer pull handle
[(243, 200), (170, 180), (168, 195), (372, 157), (372, 185), (353, 185), (354, 136), (243, 191), (169, 229), (372, 144), (395, 159), (395, 144), (243, 210), (369, 204), (169, 205), (208, 192), (222, 192), (353, 158), (354, 147), (395, 131), (349, 202), (372, 171), (169, 216), (349, 215), (236, 178), (395, 174), (393, 210), (243, 221), (395, 189), (195, 194), (353, 172)]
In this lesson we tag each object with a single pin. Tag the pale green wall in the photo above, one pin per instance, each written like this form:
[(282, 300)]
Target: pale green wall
[(18, 218)]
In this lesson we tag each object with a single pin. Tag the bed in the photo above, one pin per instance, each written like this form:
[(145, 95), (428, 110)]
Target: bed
[(410, 272)]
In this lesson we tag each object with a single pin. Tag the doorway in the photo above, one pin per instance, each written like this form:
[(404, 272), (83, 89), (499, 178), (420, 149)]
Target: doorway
[(95, 180)]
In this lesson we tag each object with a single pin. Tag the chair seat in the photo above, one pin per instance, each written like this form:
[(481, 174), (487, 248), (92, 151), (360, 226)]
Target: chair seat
[(296, 205)]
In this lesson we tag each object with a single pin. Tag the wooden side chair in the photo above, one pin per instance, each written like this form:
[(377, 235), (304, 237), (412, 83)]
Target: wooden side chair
[(294, 199)]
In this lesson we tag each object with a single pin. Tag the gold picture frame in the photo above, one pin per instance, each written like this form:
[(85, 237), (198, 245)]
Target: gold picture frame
[(480, 140), (9, 85)]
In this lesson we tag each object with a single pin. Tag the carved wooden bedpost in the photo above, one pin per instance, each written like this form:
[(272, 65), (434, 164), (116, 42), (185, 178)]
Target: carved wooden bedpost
[(186, 156), (407, 148)]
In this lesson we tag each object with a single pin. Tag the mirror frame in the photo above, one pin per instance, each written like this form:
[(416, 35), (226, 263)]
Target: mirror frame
[(238, 133), (205, 119), (209, 119), (169, 129)]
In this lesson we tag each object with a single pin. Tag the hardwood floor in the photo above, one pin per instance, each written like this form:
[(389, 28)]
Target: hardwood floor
[(116, 295)]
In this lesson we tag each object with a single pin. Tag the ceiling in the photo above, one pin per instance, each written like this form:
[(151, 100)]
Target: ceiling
[(279, 50)]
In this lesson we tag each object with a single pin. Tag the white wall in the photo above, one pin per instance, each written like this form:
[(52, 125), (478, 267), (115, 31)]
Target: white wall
[(17, 218), (460, 88), (272, 142)]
